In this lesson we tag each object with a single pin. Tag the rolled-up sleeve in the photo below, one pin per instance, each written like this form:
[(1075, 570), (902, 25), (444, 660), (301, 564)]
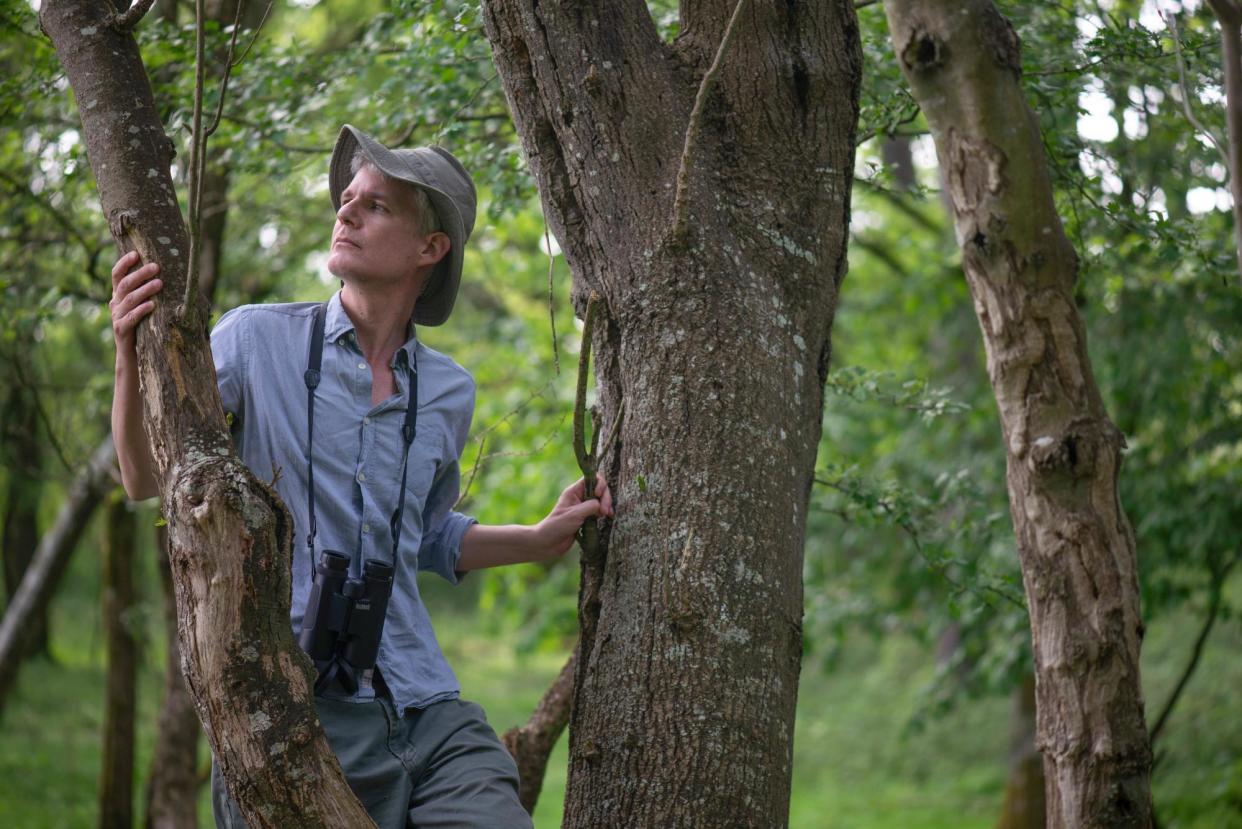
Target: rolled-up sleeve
[(443, 528), (441, 547)]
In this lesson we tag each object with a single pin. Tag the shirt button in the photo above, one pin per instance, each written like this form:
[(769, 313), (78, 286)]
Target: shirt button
[(366, 421), (362, 477), (362, 365), (366, 528)]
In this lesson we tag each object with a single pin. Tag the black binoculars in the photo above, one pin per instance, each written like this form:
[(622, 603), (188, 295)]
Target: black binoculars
[(344, 619)]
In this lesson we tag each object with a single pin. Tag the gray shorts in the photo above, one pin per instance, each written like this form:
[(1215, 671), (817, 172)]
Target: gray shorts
[(441, 767)]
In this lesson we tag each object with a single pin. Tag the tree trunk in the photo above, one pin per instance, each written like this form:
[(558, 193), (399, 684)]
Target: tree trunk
[(230, 536), (21, 508), (1076, 546), (48, 565), (172, 789), (717, 244), (116, 772), (1229, 15), (173, 783), (1024, 803)]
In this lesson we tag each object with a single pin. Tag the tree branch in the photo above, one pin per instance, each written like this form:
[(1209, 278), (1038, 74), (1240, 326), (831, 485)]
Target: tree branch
[(20, 370), (531, 744), (50, 558), (267, 11), (680, 206), (1216, 589), (1187, 94), (228, 70), (198, 148), (19, 188), (128, 19)]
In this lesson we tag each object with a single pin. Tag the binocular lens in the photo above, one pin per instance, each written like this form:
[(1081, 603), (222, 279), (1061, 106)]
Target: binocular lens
[(334, 561), (377, 570)]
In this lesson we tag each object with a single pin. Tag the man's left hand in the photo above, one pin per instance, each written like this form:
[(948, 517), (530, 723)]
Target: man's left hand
[(557, 531)]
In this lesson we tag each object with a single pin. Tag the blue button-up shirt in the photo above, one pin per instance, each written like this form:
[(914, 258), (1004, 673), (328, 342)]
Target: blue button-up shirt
[(260, 353)]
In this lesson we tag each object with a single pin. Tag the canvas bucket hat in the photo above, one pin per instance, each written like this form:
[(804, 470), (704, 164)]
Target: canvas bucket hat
[(446, 183)]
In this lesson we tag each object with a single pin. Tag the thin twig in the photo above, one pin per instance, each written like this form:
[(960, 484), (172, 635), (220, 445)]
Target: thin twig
[(228, 70), (41, 410), (585, 461), (1184, 86), (473, 97), (197, 148), (474, 470), (615, 431), (556, 351), (255, 37), (19, 188), (890, 129), (909, 529), (680, 207), (588, 461), (1214, 603), (266, 135), (482, 457), (129, 18)]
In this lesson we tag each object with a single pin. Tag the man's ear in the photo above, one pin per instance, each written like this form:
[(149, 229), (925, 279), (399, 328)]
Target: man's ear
[(435, 247)]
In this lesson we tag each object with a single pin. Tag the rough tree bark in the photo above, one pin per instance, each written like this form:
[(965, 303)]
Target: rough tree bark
[(173, 783), (1076, 546), (48, 564), (116, 767), (717, 243), (229, 533)]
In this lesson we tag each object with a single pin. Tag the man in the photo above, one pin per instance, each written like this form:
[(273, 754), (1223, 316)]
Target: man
[(413, 751)]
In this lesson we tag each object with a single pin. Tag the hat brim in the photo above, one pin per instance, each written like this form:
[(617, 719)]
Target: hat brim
[(436, 302)]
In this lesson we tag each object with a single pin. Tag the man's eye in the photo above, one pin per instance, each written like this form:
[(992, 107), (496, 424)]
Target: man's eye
[(377, 206)]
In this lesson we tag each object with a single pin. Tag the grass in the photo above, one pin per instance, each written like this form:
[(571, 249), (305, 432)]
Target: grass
[(856, 764)]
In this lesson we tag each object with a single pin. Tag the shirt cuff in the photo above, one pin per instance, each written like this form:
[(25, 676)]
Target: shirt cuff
[(447, 550)]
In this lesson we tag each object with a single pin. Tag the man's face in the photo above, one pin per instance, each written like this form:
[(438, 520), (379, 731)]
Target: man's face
[(376, 239)]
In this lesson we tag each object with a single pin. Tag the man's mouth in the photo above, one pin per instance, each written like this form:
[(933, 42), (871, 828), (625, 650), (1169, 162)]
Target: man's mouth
[(343, 241)]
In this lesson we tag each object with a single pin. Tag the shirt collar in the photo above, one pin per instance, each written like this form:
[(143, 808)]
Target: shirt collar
[(337, 324)]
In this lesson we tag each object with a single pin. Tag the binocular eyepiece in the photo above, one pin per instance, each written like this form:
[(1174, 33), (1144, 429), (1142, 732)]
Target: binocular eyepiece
[(344, 619)]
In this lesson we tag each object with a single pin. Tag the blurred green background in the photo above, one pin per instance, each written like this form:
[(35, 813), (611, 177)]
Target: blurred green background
[(916, 636)]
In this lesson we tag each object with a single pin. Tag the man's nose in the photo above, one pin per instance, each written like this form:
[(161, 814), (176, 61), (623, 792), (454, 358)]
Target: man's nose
[(345, 215)]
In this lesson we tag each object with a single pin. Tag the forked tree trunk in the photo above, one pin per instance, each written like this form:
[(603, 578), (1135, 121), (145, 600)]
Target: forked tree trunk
[(1076, 546), (230, 534), (116, 769), (715, 335)]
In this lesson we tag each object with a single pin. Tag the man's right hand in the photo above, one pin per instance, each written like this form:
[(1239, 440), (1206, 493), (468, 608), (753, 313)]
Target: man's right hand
[(132, 293)]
